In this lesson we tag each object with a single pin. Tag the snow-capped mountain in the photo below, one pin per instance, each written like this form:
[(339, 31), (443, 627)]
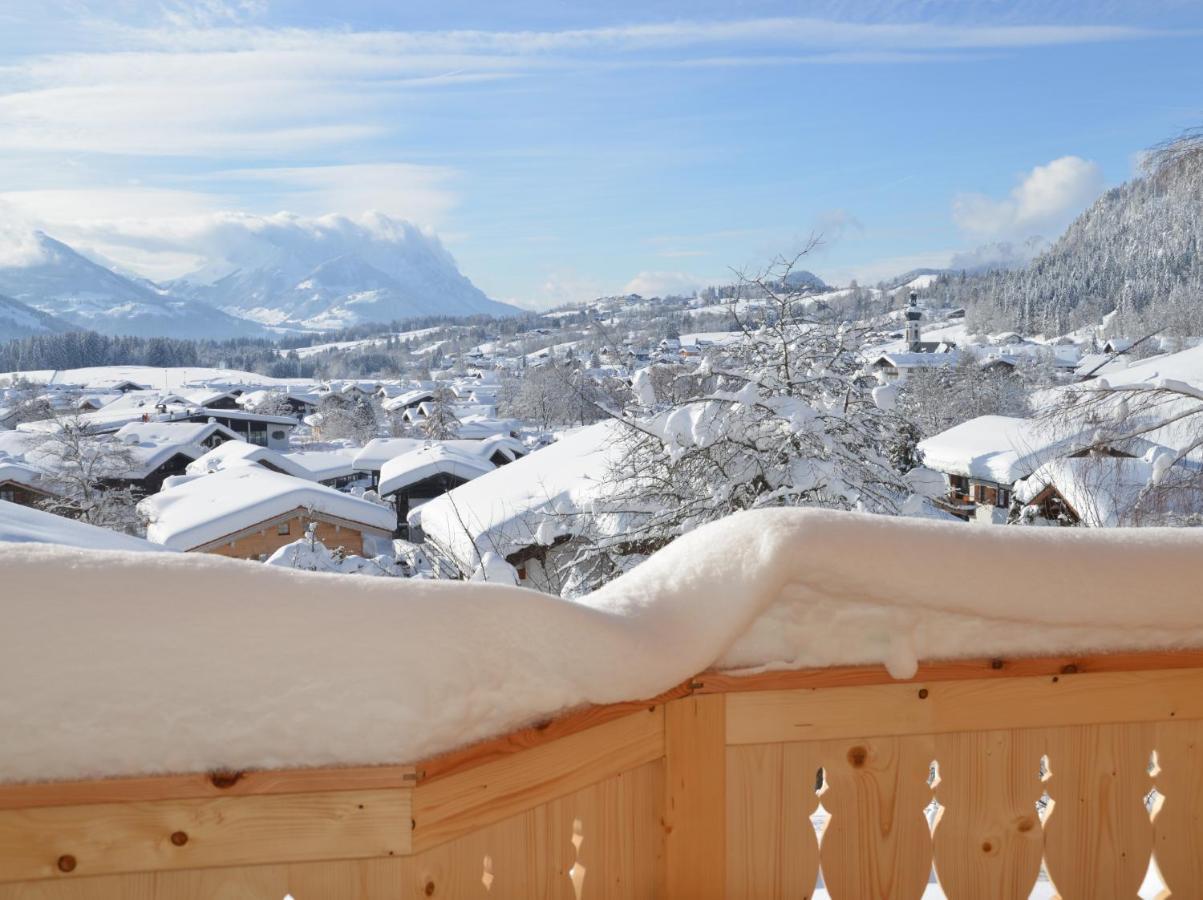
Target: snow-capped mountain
[(331, 272), (58, 281), (19, 320)]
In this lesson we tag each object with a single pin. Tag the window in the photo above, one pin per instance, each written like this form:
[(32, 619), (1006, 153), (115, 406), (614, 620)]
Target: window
[(8, 494), (283, 528), (981, 493), (278, 435), (1003, 499)]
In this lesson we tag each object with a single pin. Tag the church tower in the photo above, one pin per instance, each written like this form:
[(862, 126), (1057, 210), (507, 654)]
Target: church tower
[(913, 315)]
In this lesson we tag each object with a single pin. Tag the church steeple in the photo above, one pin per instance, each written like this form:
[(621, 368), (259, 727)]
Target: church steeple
[(913, 315)]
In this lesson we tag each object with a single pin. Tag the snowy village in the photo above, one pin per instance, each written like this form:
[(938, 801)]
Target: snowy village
[(465, 453)]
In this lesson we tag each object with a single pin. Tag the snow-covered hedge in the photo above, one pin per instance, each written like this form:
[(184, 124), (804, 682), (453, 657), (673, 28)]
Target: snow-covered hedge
[(118, 663)]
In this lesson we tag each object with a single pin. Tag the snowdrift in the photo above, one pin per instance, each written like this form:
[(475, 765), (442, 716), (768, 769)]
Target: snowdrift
[(116, 663)]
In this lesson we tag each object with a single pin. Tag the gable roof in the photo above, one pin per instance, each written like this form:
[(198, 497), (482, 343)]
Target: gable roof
[(436, 459), (206, 508)]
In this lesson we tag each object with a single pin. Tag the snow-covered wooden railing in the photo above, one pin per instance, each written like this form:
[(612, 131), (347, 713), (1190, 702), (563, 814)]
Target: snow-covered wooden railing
[(706, 791)]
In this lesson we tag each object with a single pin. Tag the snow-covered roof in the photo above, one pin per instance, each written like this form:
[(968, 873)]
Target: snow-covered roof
[(514, 506), (323, 465), (14, 472), (207, 508), (279, 668), (1185, 366), (237, 452), (434, 459), (919, 360), (378, 451), (153, 443), (998, 449), (1102, 490), (21, 525)]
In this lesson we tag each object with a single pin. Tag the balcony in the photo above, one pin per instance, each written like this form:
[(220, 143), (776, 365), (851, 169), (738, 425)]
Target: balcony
[(1009, 776), (987, 768)]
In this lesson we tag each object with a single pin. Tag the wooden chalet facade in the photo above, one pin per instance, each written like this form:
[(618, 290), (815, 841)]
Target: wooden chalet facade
[(262, 539)]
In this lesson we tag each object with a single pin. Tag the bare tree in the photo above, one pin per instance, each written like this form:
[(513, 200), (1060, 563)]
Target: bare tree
[(87, 476)]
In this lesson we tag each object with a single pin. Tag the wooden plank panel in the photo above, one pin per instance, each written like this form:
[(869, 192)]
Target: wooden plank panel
[(460, 803), (898, 709), (1098, 837), (201, 785), (988, 842), (75, 841), (1178, 823), (537, 735), (695, 809), (530, 855), (948, 670), (877, 843), (772, 850), (137, 886)]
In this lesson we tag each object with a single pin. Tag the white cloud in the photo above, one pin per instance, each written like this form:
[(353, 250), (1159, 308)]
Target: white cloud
[(1042, 203), (661, 284)]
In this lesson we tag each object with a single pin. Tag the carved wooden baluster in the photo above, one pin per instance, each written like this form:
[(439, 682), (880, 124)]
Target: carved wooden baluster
[(1178, 822), (1098, 837), (988, 842), (877, 843), (772, 850)]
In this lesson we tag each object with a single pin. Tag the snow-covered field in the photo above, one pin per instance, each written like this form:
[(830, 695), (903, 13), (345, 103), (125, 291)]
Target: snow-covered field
[(151, 376)]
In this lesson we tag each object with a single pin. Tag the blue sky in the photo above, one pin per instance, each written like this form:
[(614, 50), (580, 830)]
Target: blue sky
[(564, 150)]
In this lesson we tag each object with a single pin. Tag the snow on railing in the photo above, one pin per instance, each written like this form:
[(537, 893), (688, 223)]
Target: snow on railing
[(122, 664)]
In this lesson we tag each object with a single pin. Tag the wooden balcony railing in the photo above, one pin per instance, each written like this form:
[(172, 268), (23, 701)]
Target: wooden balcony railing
[(985, 771)]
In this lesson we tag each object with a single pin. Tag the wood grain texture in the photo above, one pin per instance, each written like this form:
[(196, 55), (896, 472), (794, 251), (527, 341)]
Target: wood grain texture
[(948, 670), (530, 854), (1178, 822), (695, 808), (877, 843), (180, 834), (940, 707), (1098, 836), (544, 733), (460, 803), (205, 785), (988, 841), (772, 849)]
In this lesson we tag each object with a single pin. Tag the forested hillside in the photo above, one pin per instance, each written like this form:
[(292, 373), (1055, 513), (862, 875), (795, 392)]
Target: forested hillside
[(1134, 252)]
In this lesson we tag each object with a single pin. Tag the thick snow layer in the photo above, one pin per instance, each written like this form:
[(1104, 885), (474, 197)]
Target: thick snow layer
[(192, 662), (238, 452), (512, 507), (205, 508), (1000, 449), (20, 524), (437, 459)]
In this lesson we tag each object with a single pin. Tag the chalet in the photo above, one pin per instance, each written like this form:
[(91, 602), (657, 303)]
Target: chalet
[(249, 512), (231, 454), (498, 449), (164, 449), (897, 366), (22, 484), (252, 427), (524, 512), (408, 400), (416, 477), (1108, 491), (984, 457)]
